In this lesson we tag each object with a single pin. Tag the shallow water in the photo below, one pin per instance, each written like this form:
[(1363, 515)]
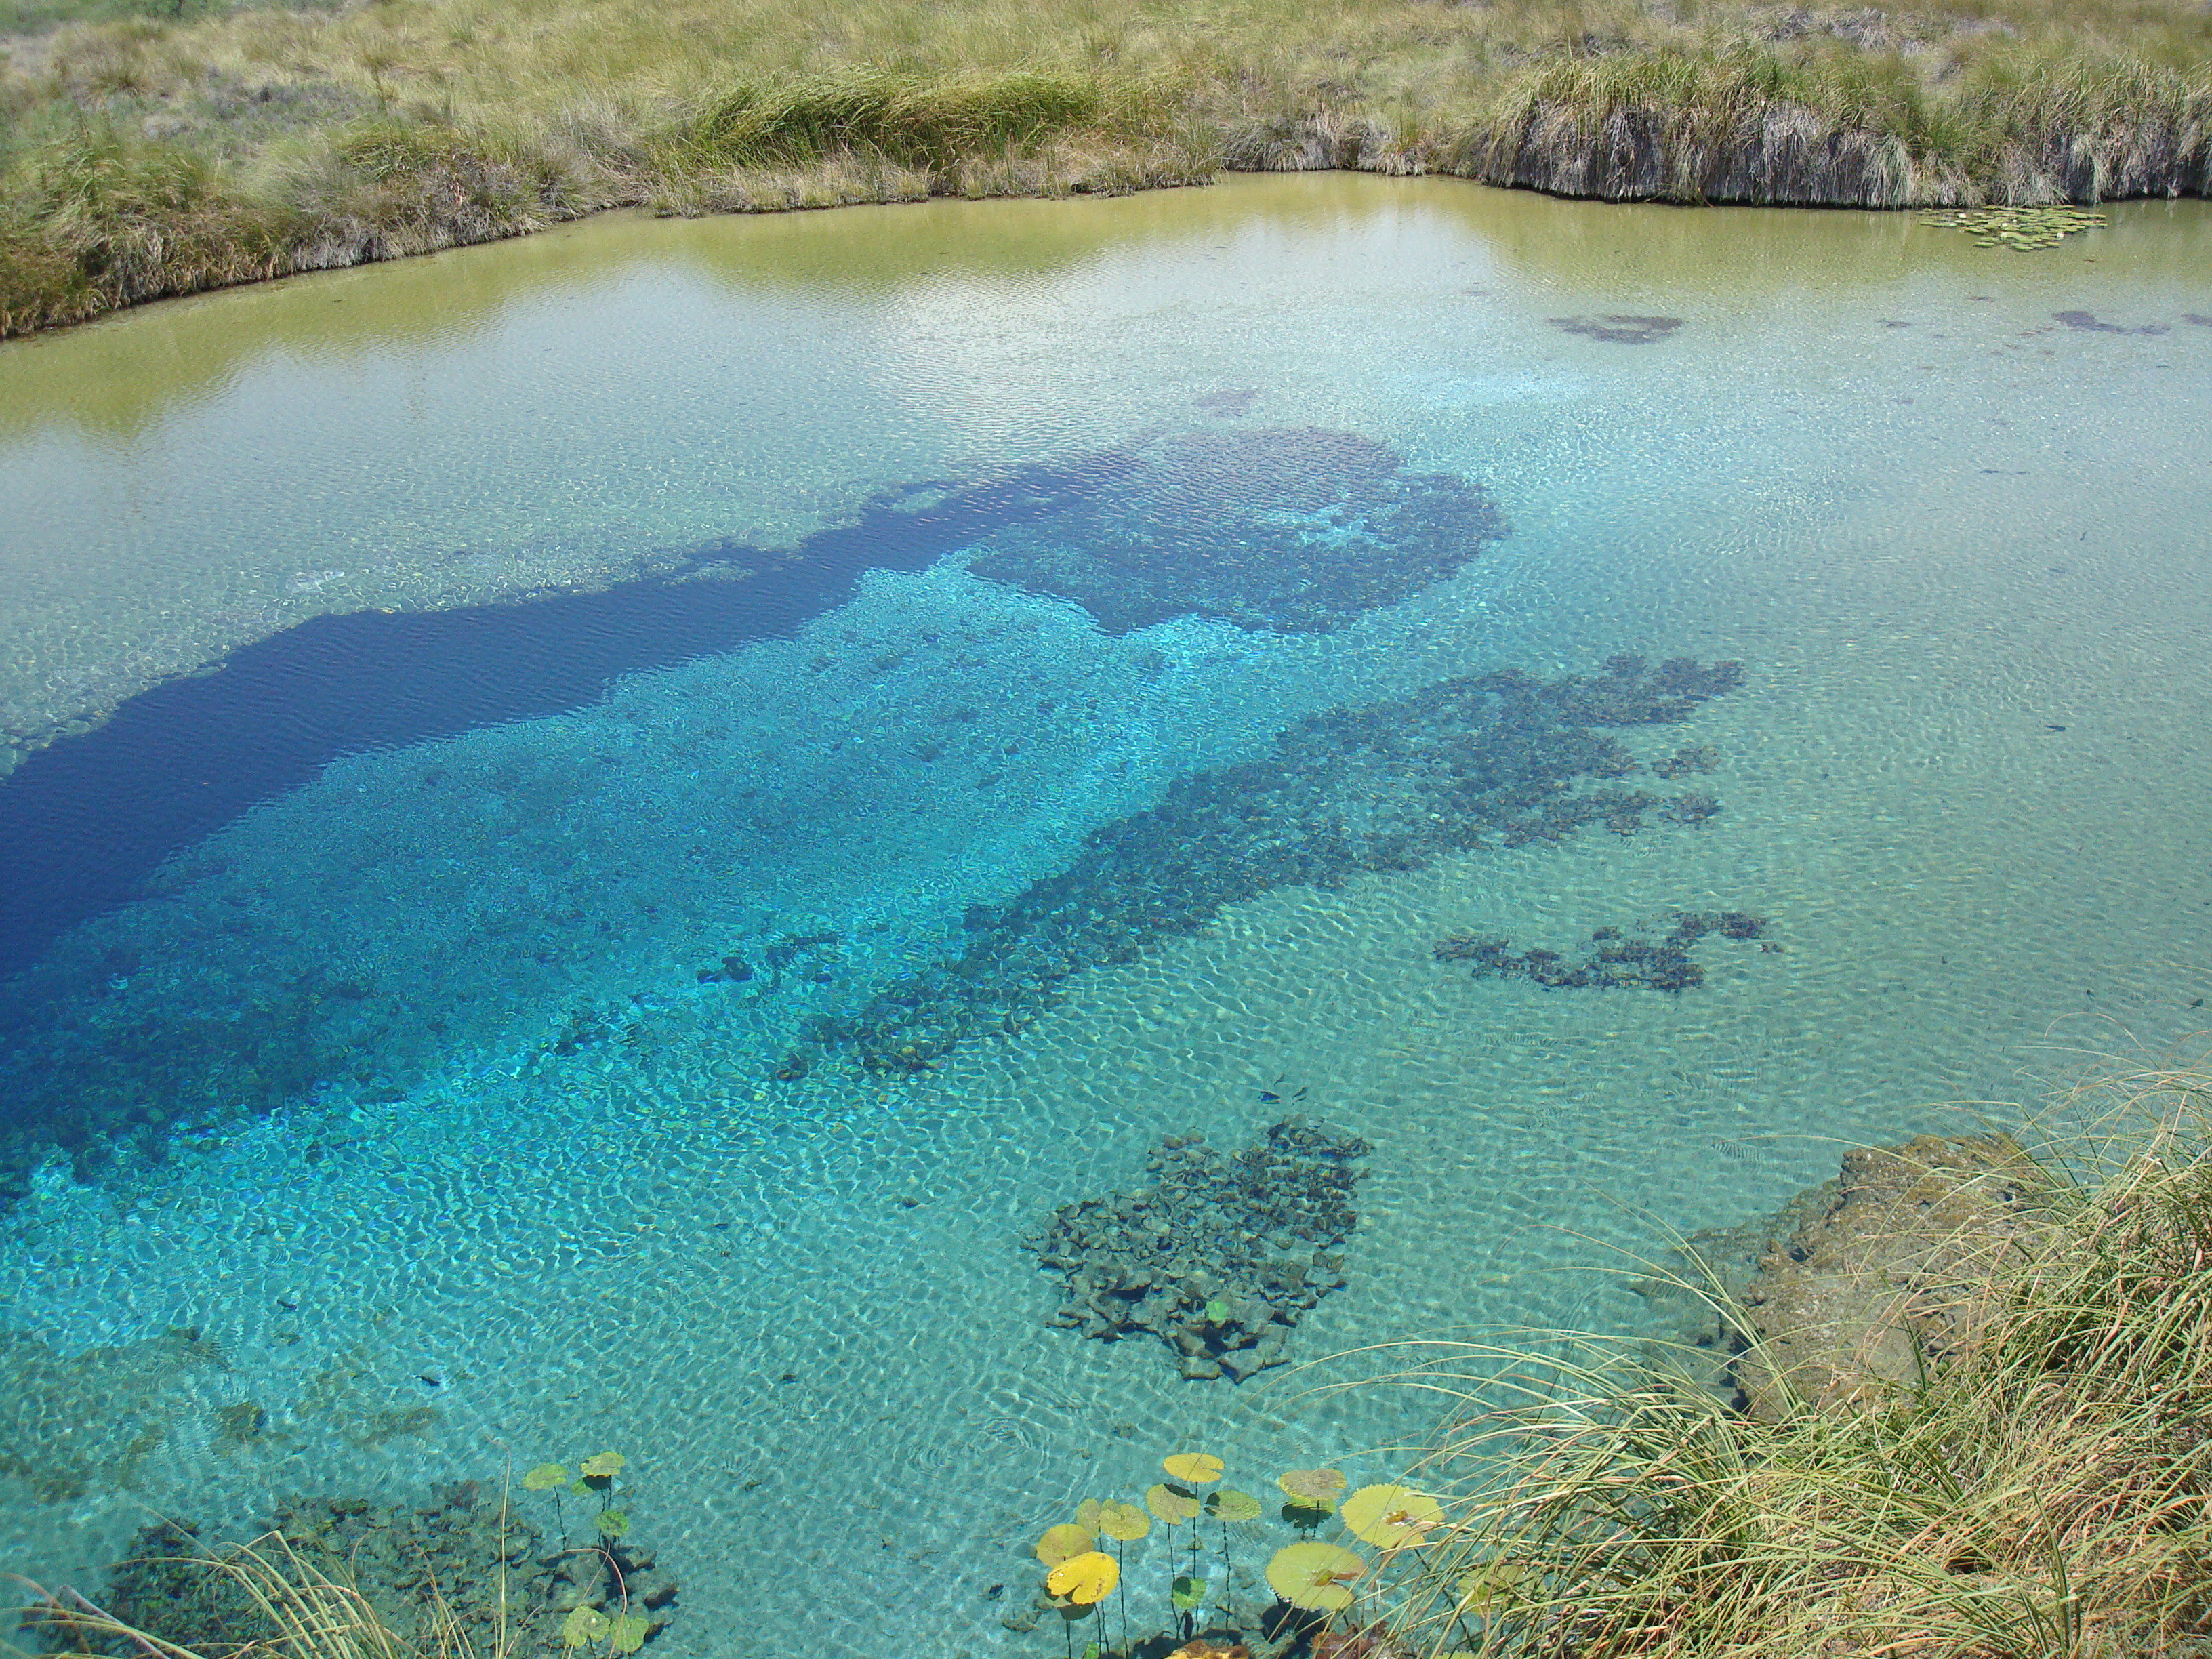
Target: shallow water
[(450, 899)]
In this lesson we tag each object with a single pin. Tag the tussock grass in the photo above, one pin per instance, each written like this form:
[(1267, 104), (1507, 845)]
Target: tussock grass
[(2047, 1493), (531, 111), (915, 122)]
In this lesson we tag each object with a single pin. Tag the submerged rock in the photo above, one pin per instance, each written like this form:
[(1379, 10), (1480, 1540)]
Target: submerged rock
[(1894, 1274), (1616, 961), (1859, 1284), (1215, 1256)]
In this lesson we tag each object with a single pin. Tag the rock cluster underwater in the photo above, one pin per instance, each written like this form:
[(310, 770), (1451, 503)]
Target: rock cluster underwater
[(1217, 1255)]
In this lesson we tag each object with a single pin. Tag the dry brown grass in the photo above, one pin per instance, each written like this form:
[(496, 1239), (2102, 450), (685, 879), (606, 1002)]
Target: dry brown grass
[(327, 136)]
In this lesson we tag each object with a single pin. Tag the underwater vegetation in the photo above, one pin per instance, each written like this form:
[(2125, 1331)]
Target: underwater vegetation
[(459, 1574), (71, 1424), (1497, 758), (1217, 1256), (1617, 961), (1296, 530)]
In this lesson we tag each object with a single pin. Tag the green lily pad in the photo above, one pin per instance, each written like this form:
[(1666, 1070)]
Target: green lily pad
[(544, 1478), (585, 1625), (1229, 1504), (628, 1633), (613, 1523), (1187, 1593)]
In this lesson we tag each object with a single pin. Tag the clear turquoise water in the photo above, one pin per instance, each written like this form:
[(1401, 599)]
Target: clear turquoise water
[(1957, 544)]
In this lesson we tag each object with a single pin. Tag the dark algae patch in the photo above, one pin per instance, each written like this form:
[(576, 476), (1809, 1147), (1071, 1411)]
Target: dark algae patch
[(1502, 758), (1615, 961), (2086, 323), (1215, 1256), (1619, 330), (1291, 530)]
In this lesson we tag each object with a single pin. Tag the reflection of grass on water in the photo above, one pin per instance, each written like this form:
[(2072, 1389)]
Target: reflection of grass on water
[(2043, 1489), (179, 144)]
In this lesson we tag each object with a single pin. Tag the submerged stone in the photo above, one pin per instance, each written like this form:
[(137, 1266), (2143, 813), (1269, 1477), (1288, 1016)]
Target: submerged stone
[(1219, 1255), (1615, 962)]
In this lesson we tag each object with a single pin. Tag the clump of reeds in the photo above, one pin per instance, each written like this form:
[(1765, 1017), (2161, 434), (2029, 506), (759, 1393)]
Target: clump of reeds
[(2048, 1493)]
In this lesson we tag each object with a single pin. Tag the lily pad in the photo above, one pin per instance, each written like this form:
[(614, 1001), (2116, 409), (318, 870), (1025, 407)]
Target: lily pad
[(614, 1524), (1316, 1577), (1187, 1593), (1125, 1524), (1085, 1579), (1200, 1469), (585, 1625), (1064, 1543), (1392, 1517), (1173, 1505), (1313, 1489), (1229, 1504), (545, 1477)]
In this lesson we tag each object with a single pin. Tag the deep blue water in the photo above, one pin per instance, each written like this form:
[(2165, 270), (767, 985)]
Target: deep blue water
[(84, 823)]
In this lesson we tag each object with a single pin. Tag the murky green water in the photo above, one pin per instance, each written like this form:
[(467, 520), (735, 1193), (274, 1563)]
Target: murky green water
[(540, 1178)]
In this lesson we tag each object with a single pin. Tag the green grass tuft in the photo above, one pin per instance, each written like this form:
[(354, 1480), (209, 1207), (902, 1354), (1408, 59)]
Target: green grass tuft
[(908, 119)]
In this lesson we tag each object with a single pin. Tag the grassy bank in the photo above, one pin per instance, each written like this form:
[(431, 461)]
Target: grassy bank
[(2042, 1488), (153, 146)]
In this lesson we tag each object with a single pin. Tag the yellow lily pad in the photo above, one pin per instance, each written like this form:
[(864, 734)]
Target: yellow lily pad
[(1316, 1576), (1313, 1489), (1171, 1503), (605, 1466), (1064, 1543), (1200, 1469), (1125, 1524), (1391, 1517), (1085, 1579)]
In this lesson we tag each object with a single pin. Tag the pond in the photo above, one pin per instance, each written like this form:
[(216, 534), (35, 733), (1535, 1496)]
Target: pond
[(600, 831)]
